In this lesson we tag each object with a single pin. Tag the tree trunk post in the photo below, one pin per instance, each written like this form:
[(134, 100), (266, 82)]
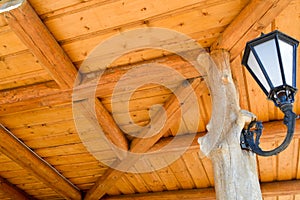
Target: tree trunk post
[(235, 170)]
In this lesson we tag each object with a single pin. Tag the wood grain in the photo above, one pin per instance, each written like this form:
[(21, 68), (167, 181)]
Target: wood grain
[(253, 19), (268, 189), (42, 44), (20, 153), (12, 191)]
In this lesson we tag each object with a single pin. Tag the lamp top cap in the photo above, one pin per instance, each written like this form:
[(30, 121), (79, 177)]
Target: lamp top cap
[(266, 37), (274, 34)]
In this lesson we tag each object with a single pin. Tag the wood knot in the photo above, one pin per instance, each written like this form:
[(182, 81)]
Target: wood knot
[(225, 79)]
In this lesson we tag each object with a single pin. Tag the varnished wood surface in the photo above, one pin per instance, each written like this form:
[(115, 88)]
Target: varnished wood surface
[(39, 113)]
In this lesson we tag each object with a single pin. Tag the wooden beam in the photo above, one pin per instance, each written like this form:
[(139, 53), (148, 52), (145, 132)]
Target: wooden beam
[(12, 191), (47, 94), (196, 194), (17, 151), (252, 20), (277, 130), (104, 183), (101, 116), (28, 92), (280, 188), (24, 21), (110, 77), (171, 107), (272, 131), (39, 96), (27, 25), (109, 126), (38, 100), (273, 189)]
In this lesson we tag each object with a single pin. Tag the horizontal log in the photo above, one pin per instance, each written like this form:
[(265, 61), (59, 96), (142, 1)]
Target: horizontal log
[(280, 188), (47, 94), (273, 189), (268, 133)]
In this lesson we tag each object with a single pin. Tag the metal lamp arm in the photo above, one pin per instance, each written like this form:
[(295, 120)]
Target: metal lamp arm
[(247, 136)]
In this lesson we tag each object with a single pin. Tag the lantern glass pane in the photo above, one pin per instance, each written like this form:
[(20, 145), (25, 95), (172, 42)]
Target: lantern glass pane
[(267, 53), (255, 68), (286, 51)]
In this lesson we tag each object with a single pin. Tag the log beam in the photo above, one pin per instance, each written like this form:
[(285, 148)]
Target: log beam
[(272, 131), (268, 134), (252, 20), (140, 145), (273, 189), (100, 116), (24, 21), (16, 150), (12, 191), (47, 94), (171, 107)]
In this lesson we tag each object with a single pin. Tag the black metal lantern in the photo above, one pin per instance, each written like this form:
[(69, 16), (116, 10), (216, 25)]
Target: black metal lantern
[(271, 60)]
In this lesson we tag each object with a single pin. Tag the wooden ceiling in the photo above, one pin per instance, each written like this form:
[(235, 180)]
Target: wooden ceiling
[(44, 43)]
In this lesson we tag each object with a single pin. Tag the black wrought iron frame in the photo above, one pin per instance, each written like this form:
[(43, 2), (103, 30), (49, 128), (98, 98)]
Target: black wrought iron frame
[(247, 135)]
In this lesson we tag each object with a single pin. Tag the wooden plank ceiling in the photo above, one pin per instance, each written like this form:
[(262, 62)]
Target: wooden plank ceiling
[(44, 43)]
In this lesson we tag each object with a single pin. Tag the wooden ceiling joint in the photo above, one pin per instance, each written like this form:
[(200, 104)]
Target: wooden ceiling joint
[(43, 95), (16, 150), (251, 21), (142, 145), (25, 22), (27, 25)]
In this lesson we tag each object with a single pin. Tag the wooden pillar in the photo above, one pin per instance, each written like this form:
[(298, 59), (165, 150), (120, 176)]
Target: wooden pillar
[(234, 169)]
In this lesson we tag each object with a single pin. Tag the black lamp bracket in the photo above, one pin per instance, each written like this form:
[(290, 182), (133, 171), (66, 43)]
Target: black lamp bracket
[(255, 130)]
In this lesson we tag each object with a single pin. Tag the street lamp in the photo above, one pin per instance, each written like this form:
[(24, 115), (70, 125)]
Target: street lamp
[(271, 60)]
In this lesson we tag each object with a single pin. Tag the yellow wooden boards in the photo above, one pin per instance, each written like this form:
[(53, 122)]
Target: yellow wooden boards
[(46, 124)]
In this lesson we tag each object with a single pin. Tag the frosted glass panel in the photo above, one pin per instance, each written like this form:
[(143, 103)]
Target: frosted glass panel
[(268, 55), (287, 61), (252, 63)]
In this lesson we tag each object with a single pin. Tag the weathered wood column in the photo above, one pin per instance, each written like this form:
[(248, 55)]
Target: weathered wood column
[(234, 170)]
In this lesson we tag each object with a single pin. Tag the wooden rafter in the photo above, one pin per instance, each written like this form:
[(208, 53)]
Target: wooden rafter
[(27, 25), (272, 131), (252, 20), (269, 10), (43, 45), (275, 130), (111, 130), (12, 191), (65, 85), (16, 150), (46, 94), (199, 194), (141, 145), (39, 96), (103, 184), (268, 190), (54, 59)]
